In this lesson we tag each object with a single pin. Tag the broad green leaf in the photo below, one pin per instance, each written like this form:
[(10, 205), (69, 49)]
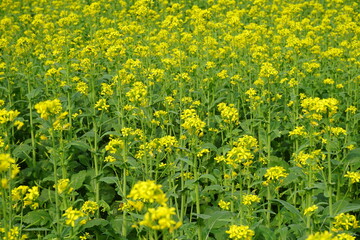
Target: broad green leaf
[(37, 217), (81, 145), (22, 151), (96, 222), (78, 179), (109, 180), (208, 176), (290, 208)]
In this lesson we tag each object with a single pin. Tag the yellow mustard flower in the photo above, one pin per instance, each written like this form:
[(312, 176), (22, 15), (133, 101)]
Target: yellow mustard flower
[(48, 108), (240, 232)]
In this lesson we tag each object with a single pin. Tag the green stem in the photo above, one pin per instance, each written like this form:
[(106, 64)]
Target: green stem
[(32, 133), (57, 206), (96, 165), (330, 185), (197, 197), (123, 228), (268, 207)]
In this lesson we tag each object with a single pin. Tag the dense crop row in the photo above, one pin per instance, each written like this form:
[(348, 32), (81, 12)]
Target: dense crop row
[(155, 119)]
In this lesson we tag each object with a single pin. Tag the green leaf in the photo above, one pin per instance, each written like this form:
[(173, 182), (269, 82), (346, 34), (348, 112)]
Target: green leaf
[(290, 208), (22, 151), (265, 233), (96, 222), (210, 146), (186, 160), (79, 145), (216, 188), (33, 93), (37, 217), (78, 179), (36, 229), (208, 176), (109, 180), (218, 219), (352, 207), (202, 216)]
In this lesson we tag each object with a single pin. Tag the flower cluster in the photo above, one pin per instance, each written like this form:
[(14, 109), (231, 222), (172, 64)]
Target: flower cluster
[(274, 173), (344, 221), (158, 145), (224, 205), (240, 232), (249, 199), (310, 210), (27, 195), (242, 152), (329, 236), (158, 217), (229, 113), (8, 116), (74, 215), (63, 186), (48, 108), (148, 191), (192, 122), (354, 176)]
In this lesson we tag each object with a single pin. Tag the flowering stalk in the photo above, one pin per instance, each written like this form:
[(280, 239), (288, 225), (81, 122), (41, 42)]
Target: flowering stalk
[(197, 195), (32, 133), (57, 205)]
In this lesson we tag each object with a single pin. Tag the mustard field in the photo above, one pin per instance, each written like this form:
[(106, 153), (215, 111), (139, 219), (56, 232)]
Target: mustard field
[(183, 119)]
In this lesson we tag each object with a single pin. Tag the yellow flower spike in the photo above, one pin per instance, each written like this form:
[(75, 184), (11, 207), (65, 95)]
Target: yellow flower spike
[(48, 108), (148, 191), (160, 218), (344, 221), (240, 232), (320, 236), (72, 215), (63, 185), (5, 161), (248, 199), (101, 105), (90, 207), (224, 205), (310, 210), (275, 173), (354, 176)]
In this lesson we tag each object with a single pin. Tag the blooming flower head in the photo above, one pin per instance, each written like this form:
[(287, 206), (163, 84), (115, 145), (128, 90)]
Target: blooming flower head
[(72, 215), (224, 205), (300, 131), (310, 210), (30, 197), (7, 116), (192, 122), (240, 232), (90, 207), (63, 185), (160, 218), (14, 233), (344, 221), (229, 113), (114, 145), (354, 176), (248, 199), (320, 236), (102, 105), (19, 193), (5, 161), (48, 108), (274, 173), (344, 236), (148, 191)]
